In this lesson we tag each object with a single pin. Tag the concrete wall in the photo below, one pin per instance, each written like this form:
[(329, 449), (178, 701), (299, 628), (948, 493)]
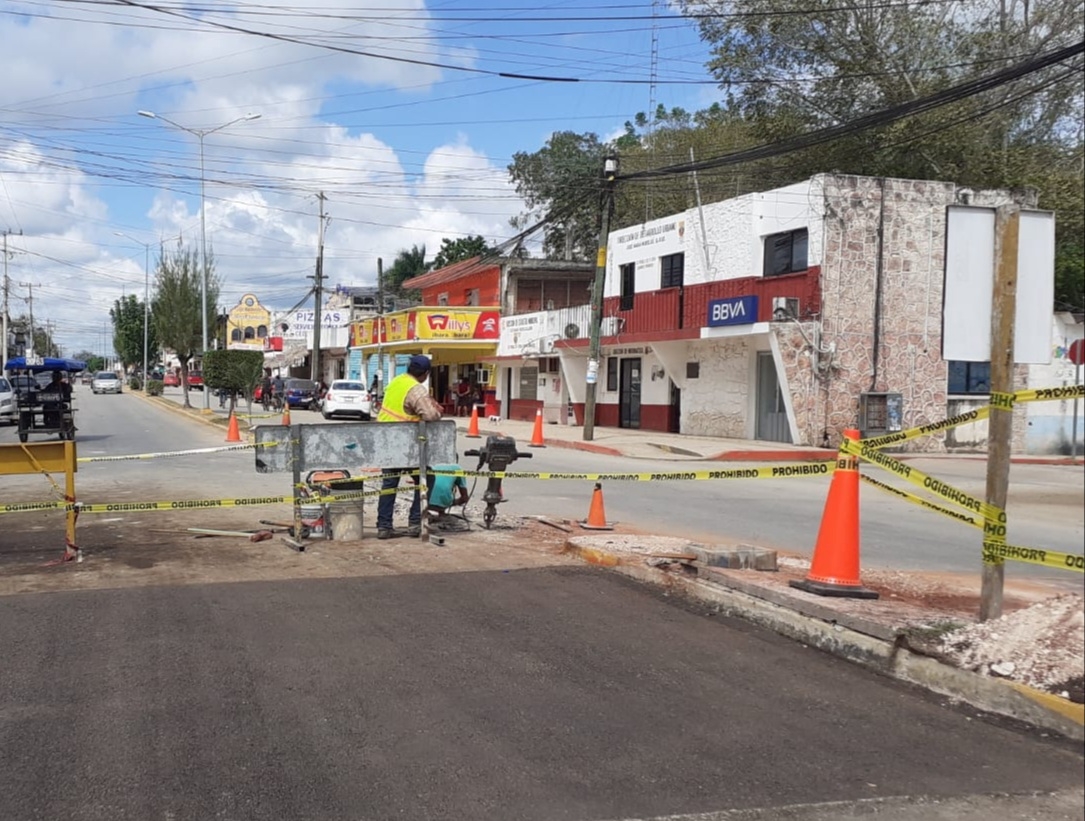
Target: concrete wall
[(718, 402)]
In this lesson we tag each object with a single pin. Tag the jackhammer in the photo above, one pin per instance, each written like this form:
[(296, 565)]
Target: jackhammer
[(497, 454)]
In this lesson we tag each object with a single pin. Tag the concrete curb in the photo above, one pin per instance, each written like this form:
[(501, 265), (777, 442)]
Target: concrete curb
[(879, 649), (589, 447)]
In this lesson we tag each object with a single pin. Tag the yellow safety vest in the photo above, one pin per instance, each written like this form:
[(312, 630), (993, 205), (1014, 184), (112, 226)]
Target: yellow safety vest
[(394, 397)]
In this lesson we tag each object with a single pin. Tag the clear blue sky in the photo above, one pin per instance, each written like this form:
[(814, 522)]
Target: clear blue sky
[(409, 141)]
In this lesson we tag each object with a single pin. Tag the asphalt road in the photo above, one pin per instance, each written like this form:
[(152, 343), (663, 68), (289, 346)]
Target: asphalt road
[(560, 693), (1046, 503)]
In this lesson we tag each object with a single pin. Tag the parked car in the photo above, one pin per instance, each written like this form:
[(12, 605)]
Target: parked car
[(171, 380), (7, 402), (346, 397), (106, 382), (156, 374), (195, 380), (300, 393), (87, 377), (23, 383)]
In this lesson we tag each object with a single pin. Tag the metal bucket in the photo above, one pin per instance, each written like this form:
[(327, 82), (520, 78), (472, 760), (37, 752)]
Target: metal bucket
[(345, 519)]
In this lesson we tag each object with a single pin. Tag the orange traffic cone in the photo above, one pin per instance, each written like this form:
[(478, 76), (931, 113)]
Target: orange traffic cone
[(597, 516), (537, 434), (232, 433), (286, 415), (834, 570), (472, 426)]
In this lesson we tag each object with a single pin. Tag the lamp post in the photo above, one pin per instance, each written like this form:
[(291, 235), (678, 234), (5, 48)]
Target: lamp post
[(200, 133), (610, 174), (146, 295)]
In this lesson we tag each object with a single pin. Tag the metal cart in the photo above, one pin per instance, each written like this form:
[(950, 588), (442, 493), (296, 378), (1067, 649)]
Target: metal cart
[(46, 410)]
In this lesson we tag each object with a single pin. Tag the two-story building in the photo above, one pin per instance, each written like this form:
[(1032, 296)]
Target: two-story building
[(786, 315)]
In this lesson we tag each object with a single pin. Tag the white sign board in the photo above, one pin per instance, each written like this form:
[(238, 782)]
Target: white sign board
[(300, 323), (969, 285)]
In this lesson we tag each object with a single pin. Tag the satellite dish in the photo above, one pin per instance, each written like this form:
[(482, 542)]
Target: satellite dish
[(572, 330)]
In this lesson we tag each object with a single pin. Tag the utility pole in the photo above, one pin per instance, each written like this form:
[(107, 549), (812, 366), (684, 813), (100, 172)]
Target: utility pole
[(4, 308), (1000, 424), (380, 326), (318, 290), (30, 301), (610, 174)]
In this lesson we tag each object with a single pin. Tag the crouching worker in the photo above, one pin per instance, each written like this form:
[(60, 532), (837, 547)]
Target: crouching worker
[(406, 399), (445, 491)]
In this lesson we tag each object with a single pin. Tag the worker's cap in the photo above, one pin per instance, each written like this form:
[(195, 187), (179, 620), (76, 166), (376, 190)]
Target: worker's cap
[(420, 362)]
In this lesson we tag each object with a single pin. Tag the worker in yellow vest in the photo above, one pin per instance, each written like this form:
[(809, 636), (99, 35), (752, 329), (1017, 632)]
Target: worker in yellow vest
[(406, 399)]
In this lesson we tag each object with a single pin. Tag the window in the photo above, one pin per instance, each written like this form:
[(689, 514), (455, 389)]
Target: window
[(261, 331), (628, 275), (442, 299), (235, 335), (671, 269), (786, 253), (693, 370), (471, 297), (250, 333), (612, 373), (969, 377)]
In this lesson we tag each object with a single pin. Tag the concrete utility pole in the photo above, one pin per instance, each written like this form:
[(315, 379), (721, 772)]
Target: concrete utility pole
[(4, 307), (30, 301), (1000, 424), (380, 327), (610, 174), (318, 293)]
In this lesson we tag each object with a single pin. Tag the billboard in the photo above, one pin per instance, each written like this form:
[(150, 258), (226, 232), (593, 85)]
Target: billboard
[(969, 285), (441, 324)]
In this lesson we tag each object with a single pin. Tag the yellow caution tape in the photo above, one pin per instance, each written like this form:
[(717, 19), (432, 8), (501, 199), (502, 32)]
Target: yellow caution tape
[(964, 518), (995, 552), (926, 430), (28, 507), (999, 401), (1051, 394), (922, 480), (790, 471), (179, 504), (169, 454)]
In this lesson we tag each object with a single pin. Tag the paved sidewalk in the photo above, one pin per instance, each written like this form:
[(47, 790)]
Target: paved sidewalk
[(634, 444)]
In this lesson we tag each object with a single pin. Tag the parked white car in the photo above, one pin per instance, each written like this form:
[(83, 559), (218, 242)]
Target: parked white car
[(346, 397), (7, 402), (106, 382)]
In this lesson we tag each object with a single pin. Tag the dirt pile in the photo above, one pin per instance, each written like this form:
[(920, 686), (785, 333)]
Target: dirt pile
[(1042, 646)]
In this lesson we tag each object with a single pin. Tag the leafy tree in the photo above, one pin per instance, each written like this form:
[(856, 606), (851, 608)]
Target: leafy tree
[(44, 345), (562, 182), (238, 372), (176, 307), (128, 315), (409, 263), (457, 250), (92, 360)]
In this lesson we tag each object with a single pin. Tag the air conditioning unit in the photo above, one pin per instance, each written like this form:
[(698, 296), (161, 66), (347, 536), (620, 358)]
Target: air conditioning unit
[(785, 307), (610, 326)]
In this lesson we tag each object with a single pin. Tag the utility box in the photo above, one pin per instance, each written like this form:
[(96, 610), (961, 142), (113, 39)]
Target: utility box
[(880, 413)]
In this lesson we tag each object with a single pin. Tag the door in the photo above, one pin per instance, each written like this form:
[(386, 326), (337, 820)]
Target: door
[(674, 421), (629, 392), (771, 414)]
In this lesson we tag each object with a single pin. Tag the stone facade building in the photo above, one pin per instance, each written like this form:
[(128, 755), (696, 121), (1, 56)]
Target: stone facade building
[(785, 315)]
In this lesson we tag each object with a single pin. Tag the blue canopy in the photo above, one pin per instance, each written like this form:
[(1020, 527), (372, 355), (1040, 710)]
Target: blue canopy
[(45, 363)]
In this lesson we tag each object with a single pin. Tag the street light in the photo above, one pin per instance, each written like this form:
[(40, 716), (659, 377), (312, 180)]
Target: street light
[(146, 295), (200, 133)]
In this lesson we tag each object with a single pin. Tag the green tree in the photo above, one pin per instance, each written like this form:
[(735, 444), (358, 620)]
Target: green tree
[(238, 372), (562, 182), (457, 250), (128, 314), (176, 307), (408, 264), (44, 344)]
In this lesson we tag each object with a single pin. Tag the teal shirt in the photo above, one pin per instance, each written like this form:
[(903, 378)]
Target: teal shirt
[(443, 491)]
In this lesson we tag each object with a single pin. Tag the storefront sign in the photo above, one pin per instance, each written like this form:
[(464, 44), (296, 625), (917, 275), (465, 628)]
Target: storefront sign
[(736, 310), (627, 351), (457, 324), (299, 325)]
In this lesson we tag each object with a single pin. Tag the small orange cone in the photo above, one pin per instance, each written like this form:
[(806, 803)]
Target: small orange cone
[(232, 433), (597, 516), (537, 434), (286, 415), (834, 570), (472, 426)]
